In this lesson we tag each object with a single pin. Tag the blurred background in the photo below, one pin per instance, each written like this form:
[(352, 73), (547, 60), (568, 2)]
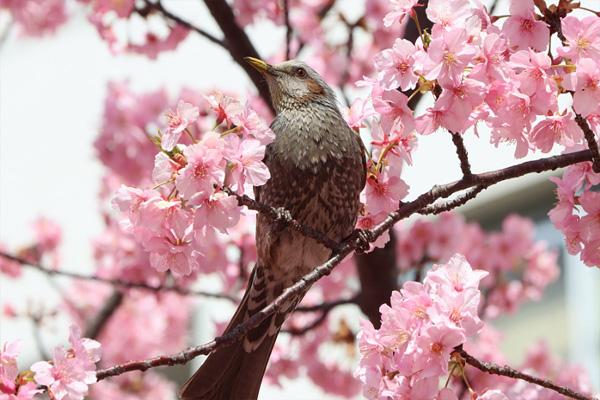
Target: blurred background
[(52, 93)]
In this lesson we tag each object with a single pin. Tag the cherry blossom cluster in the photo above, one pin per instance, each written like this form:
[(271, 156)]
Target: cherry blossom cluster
[(519, 267), (36, 17), (406, 357), (481, 69), (180, 218), (65, 377), (577, 213)]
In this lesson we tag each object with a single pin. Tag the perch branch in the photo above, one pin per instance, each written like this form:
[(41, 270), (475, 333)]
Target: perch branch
[(505, 370)]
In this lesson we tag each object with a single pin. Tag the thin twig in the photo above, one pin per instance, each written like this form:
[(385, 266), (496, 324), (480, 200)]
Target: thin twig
[(347, 247), (505, 370), (436, 209), (327, 305), (591, 140), (115, 282), (309, 327), (158, 7), (37, 336)]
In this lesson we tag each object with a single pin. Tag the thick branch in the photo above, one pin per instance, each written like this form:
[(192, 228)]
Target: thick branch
[(238, 44), (378, 275), (115, 282), (349, 245), (505, 370), (99, 322)]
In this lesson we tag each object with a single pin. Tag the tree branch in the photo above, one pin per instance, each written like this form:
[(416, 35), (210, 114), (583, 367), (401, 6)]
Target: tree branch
[(378, 276), (463, 156), (158, 7), (115, 282), (309, 327), (449, 205), (591, 140), (505, 370), (95, 327), (346, 247), (238, 44), (327, 305), (288, 28), (283, 216)]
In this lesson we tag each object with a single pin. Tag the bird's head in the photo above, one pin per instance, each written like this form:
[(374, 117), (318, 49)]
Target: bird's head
[(293, 84)]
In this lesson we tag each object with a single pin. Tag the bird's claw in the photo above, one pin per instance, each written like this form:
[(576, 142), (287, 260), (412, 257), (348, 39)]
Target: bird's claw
[(363, 238), (282, 216)]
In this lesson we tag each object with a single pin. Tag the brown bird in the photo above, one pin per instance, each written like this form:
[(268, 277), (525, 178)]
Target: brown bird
[(317, 170)]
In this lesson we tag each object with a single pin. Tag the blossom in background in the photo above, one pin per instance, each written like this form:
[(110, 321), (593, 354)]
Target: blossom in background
[(36, 17)]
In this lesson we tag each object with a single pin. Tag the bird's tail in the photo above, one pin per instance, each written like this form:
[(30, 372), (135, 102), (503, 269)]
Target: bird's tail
[(234, 372)]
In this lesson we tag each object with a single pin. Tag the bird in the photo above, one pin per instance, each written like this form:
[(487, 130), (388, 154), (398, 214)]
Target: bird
[(318, 169)]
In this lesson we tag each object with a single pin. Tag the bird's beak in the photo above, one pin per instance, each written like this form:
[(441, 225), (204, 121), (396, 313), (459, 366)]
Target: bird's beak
[(259, 65)]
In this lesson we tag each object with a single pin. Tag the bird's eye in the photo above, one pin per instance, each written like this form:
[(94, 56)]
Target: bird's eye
[(300, 72)]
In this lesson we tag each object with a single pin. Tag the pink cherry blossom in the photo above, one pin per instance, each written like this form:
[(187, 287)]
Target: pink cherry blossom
[(225, 107), (492, 395), (205, 168), (400, 8), (219, 211), (246, 165), (560, 129), (8, 267), (165, 169), (436, 343), (448, 56), (586, 99), (177, 121), (583, 37), (491, 60), (359, 111), (522, 29), (534, 75), (392, 106), (48, 234), (71, 370), (395, 66), (37, 17), (447, 13), (251, 125), (383, 193)]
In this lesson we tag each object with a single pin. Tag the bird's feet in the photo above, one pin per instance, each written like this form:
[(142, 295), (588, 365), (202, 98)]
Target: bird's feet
[(282, 217), (363, 239)]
